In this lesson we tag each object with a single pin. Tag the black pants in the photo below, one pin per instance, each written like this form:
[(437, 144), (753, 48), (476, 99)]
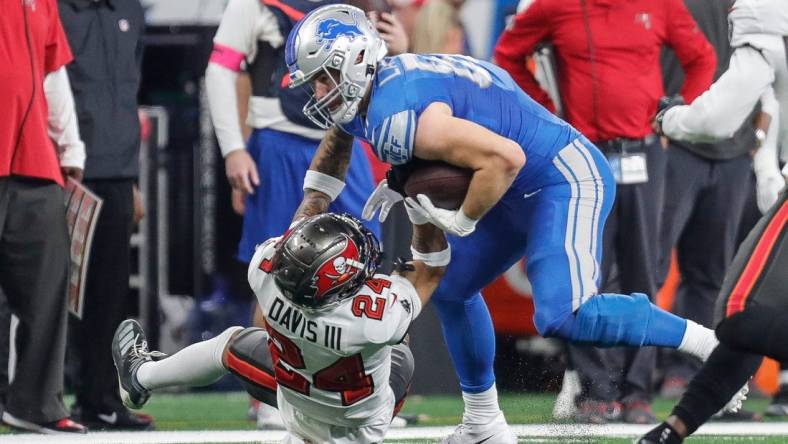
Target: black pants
[(5, 328), (106, 296), (34, 261), (704, 200), (751, 217), (752, 310), (629, 259)]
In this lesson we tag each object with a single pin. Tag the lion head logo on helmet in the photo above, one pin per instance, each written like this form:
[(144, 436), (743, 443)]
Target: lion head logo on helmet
[(330, 29)]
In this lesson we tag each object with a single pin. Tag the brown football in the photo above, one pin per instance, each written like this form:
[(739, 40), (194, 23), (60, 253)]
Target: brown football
[(446, 185)]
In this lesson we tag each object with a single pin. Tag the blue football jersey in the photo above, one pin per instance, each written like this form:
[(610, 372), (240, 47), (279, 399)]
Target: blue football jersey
[(478, 91)]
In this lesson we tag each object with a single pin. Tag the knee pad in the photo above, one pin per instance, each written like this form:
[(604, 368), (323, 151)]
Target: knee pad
[(610, 319), (249, 359)]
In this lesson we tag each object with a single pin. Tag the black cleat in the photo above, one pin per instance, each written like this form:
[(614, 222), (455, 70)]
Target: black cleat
[(130, 351), (61, 426), (661, 434), (112, 418)]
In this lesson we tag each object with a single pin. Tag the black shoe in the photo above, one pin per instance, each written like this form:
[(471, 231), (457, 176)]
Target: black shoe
[(738, 416), (115, 417), (63, 425), (779, 405), (120, 419), (661, 434), (130, 351)]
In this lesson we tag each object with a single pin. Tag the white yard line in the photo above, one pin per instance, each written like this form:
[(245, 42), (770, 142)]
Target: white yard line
[(523, 431)]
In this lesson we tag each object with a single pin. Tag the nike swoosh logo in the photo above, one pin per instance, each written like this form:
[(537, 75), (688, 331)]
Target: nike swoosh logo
[(109, 419), (527, 195)]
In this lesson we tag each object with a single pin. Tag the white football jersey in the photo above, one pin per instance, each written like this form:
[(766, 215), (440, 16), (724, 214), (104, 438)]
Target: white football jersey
[(333, 364)]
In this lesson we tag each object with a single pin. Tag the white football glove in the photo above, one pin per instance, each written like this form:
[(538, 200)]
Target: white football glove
[(450, 221), (384, 198), (734, 405), (769, 186), (416, 214)]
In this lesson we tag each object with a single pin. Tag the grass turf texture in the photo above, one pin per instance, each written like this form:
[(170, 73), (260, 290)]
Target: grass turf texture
[(227, 411)]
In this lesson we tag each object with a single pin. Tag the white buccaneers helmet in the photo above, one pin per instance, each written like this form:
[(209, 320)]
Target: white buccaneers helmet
[(340, 38)]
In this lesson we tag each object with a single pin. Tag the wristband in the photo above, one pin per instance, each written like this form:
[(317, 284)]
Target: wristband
[(436, 259), (329, 185)]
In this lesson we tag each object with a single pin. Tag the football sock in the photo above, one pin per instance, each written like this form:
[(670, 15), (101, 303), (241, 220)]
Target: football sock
[(196, 365), (482, 407), (719, 379), (698, 340), (470, 338)]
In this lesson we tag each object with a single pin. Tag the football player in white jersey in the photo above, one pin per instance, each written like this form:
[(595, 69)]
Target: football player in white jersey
[(332, 355)]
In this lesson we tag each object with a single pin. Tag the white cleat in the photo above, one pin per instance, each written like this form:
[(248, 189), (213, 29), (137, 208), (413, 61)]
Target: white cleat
[(496, 431), (565, 407), (735, 404), (269, 418)]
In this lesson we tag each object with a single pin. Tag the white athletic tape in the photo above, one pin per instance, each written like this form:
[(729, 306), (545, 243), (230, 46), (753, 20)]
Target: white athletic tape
[(436, 259), (324, 183)]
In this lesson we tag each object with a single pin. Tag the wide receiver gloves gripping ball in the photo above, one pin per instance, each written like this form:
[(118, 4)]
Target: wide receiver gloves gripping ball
[(435, 193)]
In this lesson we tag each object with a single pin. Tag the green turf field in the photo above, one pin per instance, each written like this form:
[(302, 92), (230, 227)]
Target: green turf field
[(227, 411)]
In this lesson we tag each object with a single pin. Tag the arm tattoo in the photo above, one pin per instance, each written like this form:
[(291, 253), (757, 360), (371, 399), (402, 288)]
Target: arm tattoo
[(333, 153), (428, 238), (332, 158), (314, 203)]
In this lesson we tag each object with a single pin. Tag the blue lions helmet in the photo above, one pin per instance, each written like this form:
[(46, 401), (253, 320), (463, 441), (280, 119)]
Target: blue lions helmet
[(341, 38)]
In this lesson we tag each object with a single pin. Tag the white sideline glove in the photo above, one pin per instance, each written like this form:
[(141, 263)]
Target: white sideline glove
[(769, 186), (450, 221), (384, 198)]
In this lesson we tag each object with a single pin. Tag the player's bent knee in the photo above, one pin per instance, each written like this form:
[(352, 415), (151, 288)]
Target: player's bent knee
[(249, 359), (229, 335), (613, 319), (605, 320), (224, 340), (550, 326)]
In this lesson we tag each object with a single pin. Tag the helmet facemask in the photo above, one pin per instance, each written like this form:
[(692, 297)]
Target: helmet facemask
[(339, 42)]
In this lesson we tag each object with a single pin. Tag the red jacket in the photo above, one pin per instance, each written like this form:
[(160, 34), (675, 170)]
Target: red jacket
[(25, 147), (611, 82)]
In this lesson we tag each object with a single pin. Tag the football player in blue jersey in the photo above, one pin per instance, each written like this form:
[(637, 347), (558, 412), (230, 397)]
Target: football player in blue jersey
[(539, 189)]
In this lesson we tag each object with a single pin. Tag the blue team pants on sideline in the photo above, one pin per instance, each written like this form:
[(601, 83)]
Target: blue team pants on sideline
[(282, 160), (557, 224)]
